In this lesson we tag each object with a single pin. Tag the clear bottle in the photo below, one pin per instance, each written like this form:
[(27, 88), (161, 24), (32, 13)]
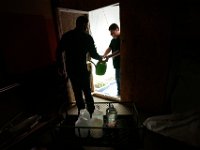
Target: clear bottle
[(111, 116)]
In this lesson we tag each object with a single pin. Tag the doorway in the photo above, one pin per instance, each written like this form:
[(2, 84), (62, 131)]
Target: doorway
[(99, 22)]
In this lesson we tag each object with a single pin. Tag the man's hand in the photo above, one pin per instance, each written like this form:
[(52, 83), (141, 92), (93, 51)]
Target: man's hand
[(105, 58)]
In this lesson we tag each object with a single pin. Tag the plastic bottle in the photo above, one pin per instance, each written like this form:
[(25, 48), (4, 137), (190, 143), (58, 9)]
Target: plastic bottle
[(85, 114), (96, 123), (111, 116), (82, 124)]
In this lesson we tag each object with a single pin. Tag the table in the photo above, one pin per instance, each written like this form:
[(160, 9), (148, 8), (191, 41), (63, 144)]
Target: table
[(124, 135)]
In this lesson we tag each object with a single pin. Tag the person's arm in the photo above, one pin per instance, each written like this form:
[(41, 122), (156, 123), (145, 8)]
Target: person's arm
[(105, 55), (92, 50), (114, 54), (107, 51)]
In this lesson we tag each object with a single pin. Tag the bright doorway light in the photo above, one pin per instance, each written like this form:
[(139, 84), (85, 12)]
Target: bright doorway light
[(100, 20)]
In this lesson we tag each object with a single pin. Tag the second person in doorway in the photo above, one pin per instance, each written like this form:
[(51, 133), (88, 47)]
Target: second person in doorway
[(114, 49)]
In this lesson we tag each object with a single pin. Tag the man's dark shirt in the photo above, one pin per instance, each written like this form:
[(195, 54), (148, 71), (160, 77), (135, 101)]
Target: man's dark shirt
[(115, 46), (76, 45)]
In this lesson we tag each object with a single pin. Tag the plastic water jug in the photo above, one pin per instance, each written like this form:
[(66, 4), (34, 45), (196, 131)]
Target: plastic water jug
[(96, 124), (82, 124)]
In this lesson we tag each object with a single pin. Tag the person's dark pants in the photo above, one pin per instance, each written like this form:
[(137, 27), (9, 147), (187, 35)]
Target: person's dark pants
[(117, 77), (81, 84)]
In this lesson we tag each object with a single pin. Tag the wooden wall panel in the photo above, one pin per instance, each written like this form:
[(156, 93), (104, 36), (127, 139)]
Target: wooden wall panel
[(145, 31), (25, 42)]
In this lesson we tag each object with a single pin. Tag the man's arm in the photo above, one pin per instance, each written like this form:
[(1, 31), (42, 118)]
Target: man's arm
[(107, 51), (92, 49), (114, 54)]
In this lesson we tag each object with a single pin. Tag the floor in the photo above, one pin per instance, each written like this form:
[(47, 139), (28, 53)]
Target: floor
[(108, 92), (102, 104)]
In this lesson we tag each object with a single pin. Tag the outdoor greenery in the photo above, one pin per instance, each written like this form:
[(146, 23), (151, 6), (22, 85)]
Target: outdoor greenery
[(99, 84)]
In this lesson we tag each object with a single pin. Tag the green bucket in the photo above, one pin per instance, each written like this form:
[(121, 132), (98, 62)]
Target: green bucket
[(101, 67)]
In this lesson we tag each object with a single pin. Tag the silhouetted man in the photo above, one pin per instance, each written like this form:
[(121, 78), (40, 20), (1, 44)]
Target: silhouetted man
[(77, 43)]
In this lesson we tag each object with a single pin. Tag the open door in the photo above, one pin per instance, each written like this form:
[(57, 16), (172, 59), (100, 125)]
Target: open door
[(67, 19)]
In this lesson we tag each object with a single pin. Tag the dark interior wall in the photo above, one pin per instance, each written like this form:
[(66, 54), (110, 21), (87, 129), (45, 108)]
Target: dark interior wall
[(28, 44), (184, 78), (85, 5), (145, 30), (28, 35), (160, 46), (25, 42)]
